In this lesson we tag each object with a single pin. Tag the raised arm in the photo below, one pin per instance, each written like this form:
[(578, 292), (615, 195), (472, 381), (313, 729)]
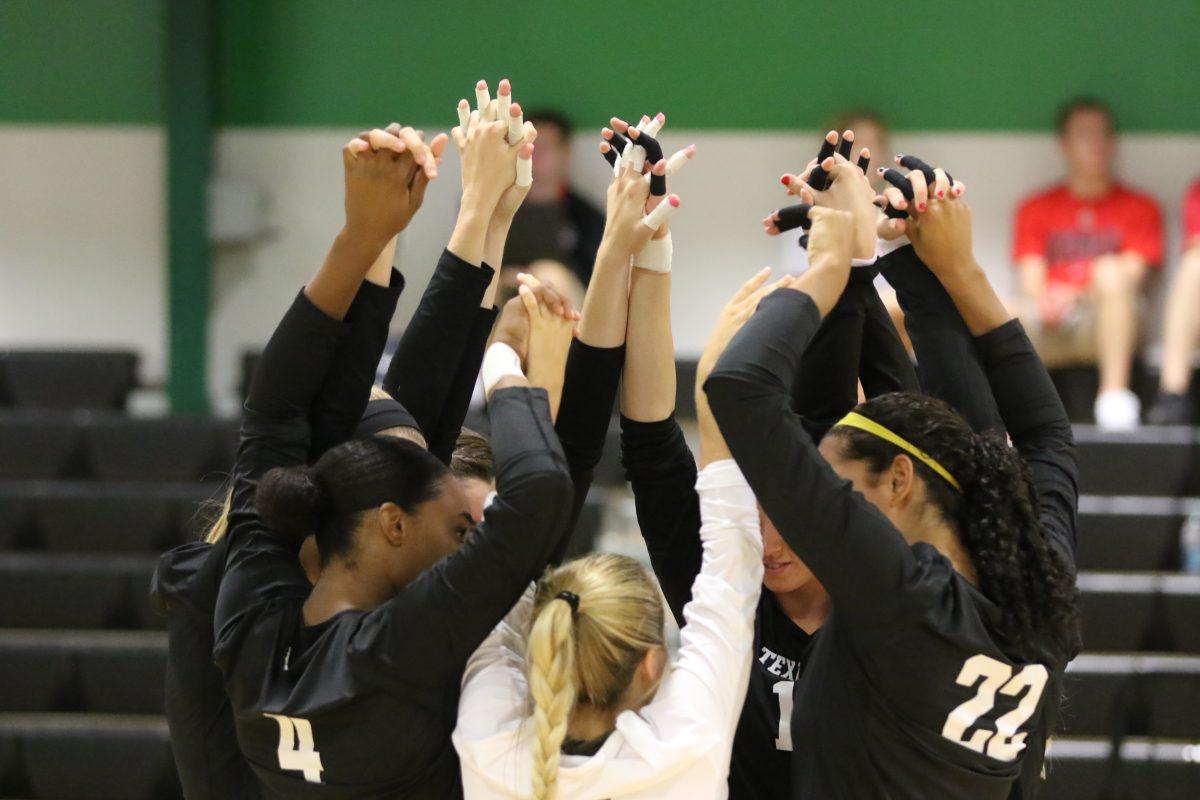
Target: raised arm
[(945, 348), (385, 184), (428, 372), (1025, 396)]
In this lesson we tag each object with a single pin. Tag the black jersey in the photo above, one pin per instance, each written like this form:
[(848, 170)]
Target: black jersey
[(908, 690), (363, 704)]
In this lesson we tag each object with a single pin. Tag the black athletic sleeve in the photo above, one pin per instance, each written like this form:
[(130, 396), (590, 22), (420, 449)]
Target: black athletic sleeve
[(589, 392), (1033, 413), (861, 559), (433, 624), (662, 471), (946, 356), (275, 433), (347, 388), (884, 365), (443, 438), (425, 365)]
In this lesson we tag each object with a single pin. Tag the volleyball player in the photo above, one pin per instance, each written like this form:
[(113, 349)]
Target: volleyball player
[(951, 604), (586, 648), (856, 333)]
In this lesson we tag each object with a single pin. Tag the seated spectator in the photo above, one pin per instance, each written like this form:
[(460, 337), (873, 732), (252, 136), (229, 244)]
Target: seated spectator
[(1082, 250), (554, 223), (1182, 324)]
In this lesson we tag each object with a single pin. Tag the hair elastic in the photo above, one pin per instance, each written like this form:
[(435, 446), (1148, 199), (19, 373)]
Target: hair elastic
[(856, 420), (572, 600)]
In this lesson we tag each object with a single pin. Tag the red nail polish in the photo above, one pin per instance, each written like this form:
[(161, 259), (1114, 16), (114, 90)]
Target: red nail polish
[(941, 194), (786, 180), (920, 206)]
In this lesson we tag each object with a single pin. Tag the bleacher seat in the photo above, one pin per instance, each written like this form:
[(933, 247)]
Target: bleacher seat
[(1133, 695), (1140, 611), (95, 756), (1130, 533), (17, 522), (1152, 462), (38, 676), (40, 590), (97, 379), (159, 449), (38, 445), (1084, 769)]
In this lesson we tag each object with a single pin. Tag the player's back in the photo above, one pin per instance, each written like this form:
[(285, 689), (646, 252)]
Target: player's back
[(929, 703), (323, 716)]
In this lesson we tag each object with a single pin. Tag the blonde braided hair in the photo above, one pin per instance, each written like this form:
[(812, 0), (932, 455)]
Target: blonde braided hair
[(587, 656)]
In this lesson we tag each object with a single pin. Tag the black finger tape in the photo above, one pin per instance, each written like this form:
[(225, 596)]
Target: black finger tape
[(912, 162), (792, 217), (897, 179)]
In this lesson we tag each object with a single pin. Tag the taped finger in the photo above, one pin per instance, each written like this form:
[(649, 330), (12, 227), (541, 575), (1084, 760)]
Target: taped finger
[(792, 217), (896, 178), (525, 165), (679, 158), (914, 163), (661, 213), (845, 145), (516, 123), (482, 97), (864, 160)]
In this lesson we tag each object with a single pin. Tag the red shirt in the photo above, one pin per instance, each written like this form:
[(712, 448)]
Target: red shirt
[(1191, 216), (1069, 233)]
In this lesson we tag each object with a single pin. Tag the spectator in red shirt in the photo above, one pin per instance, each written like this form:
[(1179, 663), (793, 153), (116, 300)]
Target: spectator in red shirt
[(1182, 324), (1082, 251)]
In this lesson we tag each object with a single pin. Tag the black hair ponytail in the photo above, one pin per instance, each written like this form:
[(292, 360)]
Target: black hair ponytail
[(328, 498), (291, 501)]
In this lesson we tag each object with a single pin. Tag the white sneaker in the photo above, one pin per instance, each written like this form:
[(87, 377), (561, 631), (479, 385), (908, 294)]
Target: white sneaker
[(1118, 410)]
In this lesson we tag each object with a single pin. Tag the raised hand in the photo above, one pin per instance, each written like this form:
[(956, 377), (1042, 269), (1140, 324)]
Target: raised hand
[(833, 181), (925, 203), (386, 174), (550, 332), (489, 156), (832, 238), (911, 192)]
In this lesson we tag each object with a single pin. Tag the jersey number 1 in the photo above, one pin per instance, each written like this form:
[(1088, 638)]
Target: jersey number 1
[(296, 747), (1003, 744), (784, 690)]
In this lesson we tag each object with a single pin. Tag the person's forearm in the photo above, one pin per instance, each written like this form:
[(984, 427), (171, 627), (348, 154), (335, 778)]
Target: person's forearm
[(606, 306), (336, 283), (648, 388), (380, 272), (470, 231), (824, 284), (976, 300), (493, 255), (551, 381)]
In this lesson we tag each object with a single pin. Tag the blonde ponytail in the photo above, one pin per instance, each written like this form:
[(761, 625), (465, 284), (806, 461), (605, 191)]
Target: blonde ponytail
[(552, 684), (586, 649), (218, 515)]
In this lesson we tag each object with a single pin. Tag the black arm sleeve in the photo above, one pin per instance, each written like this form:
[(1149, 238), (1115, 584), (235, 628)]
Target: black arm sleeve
[(446, 612), (946, 357), (1031, 409), (884, 365), (426, 361), (662, 471), (458, 400), (857, 554), (275, 433), (344, 394), (589, 392)]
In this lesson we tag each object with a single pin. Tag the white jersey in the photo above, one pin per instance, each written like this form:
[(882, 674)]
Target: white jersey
[(678, 745)]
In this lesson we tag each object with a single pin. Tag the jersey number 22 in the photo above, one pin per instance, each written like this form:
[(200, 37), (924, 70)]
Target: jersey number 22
[(1004, 743), (297, 747)]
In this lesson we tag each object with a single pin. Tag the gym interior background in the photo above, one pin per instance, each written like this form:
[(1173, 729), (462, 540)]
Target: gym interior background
[(170, 175)]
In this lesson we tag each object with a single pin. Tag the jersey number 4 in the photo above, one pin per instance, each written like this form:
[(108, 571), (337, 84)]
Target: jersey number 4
[(1004, 743), (296, 747)]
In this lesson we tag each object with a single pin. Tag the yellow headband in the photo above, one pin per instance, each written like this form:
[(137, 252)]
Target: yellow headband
[(856, 420)]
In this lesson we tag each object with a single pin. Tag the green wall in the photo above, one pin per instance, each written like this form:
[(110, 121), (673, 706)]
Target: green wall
[(928, 65)]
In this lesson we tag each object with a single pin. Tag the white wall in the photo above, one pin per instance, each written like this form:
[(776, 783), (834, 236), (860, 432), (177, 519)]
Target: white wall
[(82, 243), (81, 223)]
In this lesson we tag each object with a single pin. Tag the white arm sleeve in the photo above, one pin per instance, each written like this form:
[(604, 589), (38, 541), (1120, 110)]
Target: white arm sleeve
[(708, 680)]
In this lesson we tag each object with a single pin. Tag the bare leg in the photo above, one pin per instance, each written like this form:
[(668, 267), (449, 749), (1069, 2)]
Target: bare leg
[(1182, 325), (1114, 288)]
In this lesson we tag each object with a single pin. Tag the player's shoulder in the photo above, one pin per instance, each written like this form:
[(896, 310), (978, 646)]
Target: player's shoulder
[(1047, 197), (1134, 200)]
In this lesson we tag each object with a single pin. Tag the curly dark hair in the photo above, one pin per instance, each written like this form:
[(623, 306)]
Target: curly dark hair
[(996, 515)]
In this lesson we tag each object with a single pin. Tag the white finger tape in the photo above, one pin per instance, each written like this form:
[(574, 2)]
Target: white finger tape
[(658, 217), (654, 126), (464, 117), (482, 98), (516, 128), (503, 101), (524, 171), (656, 255), (676, 161)]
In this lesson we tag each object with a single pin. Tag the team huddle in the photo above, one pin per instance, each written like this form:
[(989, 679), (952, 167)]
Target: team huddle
[(876, 598)]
